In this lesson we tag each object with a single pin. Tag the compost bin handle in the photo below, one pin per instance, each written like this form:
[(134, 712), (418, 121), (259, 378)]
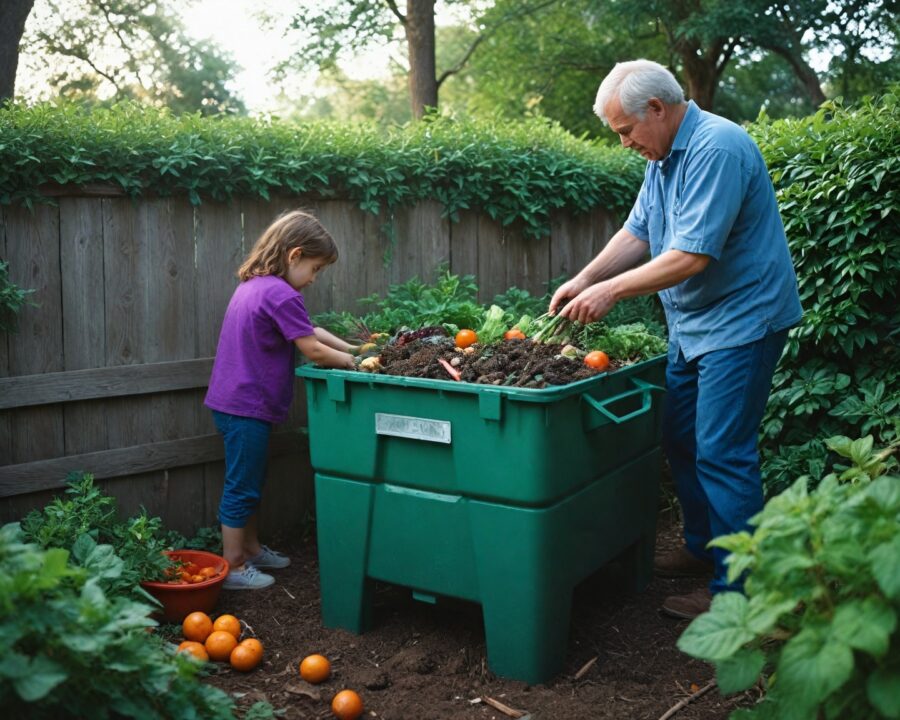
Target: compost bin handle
[(646, 389)]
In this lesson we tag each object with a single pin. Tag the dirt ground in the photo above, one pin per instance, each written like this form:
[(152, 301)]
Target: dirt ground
[(516, 363), (428, 662)]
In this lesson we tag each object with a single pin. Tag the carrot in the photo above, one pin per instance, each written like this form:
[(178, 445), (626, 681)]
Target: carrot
[(452, 371)]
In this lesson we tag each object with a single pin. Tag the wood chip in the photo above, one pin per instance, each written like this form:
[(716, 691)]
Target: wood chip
[(505, 709), (301, 687), (687, 701), (587, 666)]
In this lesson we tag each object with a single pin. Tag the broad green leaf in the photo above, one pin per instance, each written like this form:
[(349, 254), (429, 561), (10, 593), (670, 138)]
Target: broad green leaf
[(865, 625), (43, 675), (813, 665), (883, 691), (740, 671), (886, 566), (719, 633)]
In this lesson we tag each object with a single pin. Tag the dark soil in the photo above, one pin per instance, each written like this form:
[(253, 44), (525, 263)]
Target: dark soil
[(516, 363), (427, 662)]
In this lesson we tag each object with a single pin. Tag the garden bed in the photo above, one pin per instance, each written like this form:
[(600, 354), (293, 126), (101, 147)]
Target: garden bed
[(428, 662)]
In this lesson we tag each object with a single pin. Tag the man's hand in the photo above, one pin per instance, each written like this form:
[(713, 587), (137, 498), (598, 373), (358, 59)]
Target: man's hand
[(566, 292), (591, 304)]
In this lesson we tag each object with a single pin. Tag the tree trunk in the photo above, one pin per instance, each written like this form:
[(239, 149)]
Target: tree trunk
[(419, 28), (13, 14), (804, 73), (702, 80)]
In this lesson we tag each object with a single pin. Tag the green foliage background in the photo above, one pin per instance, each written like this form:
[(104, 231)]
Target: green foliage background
[(837, 175), (514, 172)]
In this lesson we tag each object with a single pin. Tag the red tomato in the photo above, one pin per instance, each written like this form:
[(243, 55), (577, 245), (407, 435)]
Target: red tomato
[(597, 359), (464, 338), (514, 334)]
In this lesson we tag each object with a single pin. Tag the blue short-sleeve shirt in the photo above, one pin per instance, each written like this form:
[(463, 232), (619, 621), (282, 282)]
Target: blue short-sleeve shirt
[(712, 195)]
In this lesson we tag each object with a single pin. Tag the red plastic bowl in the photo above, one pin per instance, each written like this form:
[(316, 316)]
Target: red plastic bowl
[(179, 601)]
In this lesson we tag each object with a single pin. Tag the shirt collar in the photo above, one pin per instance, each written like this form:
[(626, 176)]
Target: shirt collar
[(685, 130)]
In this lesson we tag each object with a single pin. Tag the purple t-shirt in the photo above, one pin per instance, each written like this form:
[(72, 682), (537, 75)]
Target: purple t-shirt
[(253, 373)]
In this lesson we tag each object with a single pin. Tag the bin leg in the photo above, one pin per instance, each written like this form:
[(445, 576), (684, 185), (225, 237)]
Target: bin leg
[(637, 561), (342, 527), (527, 630)]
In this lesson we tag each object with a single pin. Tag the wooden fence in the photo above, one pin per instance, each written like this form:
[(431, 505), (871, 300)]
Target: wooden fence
[(108, 369)]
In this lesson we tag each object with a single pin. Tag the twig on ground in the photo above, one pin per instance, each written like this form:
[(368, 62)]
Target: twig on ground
[(587, 666), (288, 593), (688, 700), (505, 709)]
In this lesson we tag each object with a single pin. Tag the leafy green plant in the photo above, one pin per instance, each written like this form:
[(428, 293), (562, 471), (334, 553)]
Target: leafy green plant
[(71, 649), (452, 300), (514, 172), (86, 517), (623, 342), (12, 299), (837, 179), (820, 617)]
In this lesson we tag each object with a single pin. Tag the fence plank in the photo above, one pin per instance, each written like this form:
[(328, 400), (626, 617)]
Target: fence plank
[(36, 433), (81, 256), (464, 244), (219, 252), (29, 390), (422, 242), (5, 339), (120, 462)]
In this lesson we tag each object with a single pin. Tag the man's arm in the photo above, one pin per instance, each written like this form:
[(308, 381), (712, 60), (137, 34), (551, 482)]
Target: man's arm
[(622, 252), (664, 271)]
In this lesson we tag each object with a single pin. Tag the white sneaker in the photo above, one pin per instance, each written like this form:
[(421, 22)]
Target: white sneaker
[(269, 558), (247, 579)]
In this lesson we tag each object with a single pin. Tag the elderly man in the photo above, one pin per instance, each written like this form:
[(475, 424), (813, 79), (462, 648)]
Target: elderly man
[(720, 263)]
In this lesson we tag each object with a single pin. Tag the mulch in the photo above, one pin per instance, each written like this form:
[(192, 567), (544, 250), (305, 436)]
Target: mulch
[(428, 662)]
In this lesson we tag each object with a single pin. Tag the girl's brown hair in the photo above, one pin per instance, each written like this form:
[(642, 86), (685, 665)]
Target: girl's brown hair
[(292, 229)]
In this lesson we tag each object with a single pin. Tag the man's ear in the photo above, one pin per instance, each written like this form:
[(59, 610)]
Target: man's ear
[(656, 107)]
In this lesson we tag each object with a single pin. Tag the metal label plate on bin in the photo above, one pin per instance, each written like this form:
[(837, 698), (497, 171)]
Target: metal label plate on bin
[(415, 428)]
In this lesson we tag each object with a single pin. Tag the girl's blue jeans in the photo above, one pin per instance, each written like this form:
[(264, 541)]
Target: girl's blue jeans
[(713, 409), (246, 451)]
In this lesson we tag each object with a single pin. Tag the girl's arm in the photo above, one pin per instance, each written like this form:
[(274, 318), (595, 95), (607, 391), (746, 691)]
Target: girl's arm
[(321, 354), (332, 341)]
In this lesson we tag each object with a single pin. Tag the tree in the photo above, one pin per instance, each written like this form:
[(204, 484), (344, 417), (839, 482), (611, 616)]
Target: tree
[(331, 31), (107, 50), (13, 14)]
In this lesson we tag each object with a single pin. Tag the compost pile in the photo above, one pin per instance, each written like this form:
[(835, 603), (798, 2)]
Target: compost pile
[(512, 363)]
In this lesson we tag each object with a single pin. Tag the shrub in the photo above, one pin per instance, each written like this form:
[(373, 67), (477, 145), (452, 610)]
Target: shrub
[(837, 176), (70, 649), (820, 615)]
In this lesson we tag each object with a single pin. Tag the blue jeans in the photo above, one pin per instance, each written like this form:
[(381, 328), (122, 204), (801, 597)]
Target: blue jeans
[(246, 451), (713, 408)]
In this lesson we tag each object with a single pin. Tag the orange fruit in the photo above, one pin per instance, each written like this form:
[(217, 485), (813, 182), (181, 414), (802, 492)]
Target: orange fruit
[(315, 668), (197, 626), (247, 655), (230, 624), (220, 644), (464, 338), (514, 334), (208, 572), (252, 642), (198, 579), (347, 705), (194, 648), (597, 359)]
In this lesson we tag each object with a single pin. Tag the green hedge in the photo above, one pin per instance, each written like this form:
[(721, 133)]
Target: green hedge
[(837, 175), (514, 172)]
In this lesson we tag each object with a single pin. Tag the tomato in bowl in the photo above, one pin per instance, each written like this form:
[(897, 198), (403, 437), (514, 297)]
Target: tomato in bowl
[(194, 585)]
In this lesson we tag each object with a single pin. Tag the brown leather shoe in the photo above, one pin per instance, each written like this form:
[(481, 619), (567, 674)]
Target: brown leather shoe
[(687, 607), (681, 563)]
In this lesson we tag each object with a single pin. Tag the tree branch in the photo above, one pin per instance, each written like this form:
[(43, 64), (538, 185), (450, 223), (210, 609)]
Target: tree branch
[(394, 9)]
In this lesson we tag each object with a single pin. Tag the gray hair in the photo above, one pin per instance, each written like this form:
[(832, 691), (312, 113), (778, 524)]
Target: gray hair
[(635, 82)]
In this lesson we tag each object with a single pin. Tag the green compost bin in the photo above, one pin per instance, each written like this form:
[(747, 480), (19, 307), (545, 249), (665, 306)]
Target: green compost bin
[(515, 445), (507, 497)]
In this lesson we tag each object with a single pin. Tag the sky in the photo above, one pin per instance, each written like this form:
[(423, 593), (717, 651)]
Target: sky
[(231, 24)]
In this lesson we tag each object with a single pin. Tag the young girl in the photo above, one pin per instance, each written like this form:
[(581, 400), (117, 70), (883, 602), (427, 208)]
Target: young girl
[(252, 378)]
